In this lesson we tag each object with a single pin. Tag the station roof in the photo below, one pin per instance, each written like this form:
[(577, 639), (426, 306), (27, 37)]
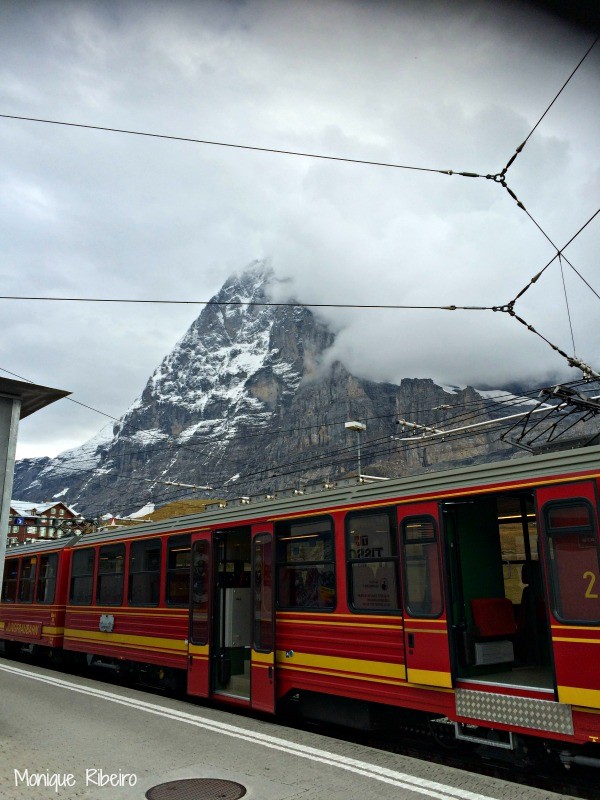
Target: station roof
[(33, 397)]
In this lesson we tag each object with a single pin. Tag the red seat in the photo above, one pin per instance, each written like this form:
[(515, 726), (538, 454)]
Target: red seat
[(493, 617)]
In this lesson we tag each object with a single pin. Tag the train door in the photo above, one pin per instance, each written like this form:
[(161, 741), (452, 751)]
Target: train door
[(231, 642), (568, 519), (263, 620), (426, 640), (200, 615), (232, 614)]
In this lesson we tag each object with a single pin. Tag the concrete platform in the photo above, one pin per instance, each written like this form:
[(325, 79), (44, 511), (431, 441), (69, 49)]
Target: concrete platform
[(57, 729)]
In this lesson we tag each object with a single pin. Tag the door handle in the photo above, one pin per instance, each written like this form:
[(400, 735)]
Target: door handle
[(411, 640)]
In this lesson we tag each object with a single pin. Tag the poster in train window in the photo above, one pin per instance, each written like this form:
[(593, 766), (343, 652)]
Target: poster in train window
[(375, 586), (372, 562)]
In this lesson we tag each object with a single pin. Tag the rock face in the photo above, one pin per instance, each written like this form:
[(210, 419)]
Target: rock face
[(243, 404)]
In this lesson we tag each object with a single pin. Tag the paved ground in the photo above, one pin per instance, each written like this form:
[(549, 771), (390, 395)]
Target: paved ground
[(58, 729)]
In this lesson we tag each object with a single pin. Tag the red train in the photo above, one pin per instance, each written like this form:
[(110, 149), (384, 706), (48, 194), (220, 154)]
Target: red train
[(471, 596)]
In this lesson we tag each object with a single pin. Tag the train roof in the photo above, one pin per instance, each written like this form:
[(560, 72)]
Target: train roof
[(41, 546), (511, 473)]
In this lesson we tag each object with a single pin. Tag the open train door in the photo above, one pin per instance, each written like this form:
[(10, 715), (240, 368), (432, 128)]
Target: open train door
[(201, 580), (426, 640), (568, 520), (262, 655)]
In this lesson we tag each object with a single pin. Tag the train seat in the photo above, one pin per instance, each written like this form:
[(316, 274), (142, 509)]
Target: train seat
[(495, 628)]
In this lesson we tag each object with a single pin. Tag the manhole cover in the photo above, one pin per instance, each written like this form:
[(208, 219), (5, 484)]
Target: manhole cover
[(197, 789)]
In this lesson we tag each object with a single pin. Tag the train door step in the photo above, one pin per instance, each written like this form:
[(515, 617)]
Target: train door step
[(478, 734)]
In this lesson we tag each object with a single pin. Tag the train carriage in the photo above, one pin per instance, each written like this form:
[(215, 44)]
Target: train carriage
[(32, 609), (471, 596)]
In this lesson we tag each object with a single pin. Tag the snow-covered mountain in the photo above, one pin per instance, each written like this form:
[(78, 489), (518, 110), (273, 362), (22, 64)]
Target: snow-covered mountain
[(243, 404)]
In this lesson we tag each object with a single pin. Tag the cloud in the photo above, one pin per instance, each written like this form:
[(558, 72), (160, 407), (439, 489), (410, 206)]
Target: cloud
[(436, 85)]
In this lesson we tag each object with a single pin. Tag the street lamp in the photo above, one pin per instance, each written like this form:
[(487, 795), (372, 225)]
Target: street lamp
[(358, 427)]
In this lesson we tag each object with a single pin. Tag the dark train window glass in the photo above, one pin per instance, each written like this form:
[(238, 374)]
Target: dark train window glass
[(569, 515), (372, 557), (306, 564), (178, 570), (82, 577), (46, 582), (111, 571), (200, 592), (144, 573), (9, 582), (263, 592), (422, 577), (574, 562), (27, 580)]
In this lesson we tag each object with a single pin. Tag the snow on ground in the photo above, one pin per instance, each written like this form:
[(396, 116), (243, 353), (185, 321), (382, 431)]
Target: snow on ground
[(143, 512)]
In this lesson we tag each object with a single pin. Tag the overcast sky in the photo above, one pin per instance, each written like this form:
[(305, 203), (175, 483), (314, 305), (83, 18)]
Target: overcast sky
[(438, 85)]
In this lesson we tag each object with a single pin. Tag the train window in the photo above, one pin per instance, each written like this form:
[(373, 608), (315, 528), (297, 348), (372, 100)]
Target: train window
[(46, 582), (518, 542), (569, 516), (422, 578), (82, 577), (200, 592), (306, 564), (9, 582), (111, 571), (178, 570), (263, 592), (144, 573), (372, 556), (574, 561), (27, 581)]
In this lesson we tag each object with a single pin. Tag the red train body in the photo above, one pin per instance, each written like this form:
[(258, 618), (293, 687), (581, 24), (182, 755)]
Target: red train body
[(472, 596)]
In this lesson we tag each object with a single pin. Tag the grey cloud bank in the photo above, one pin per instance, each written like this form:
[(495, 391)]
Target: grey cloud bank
[(445, 86)]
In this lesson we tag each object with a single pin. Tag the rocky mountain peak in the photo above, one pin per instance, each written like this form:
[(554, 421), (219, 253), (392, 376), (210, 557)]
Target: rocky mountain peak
[(245, 377)]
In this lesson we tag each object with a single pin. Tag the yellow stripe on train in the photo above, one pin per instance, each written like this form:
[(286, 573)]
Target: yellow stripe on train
[(576, 696), (121, 639), (354, 666)]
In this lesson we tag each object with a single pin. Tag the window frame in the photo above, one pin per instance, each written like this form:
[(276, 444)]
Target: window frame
[(145, 543), (177, 540), (260, 542), (568, 530), (43, 581), (5, 579), (285, 527), (406, 584), (205, 606), (77, 555), (117, 547), (391, 515), (28, 581)]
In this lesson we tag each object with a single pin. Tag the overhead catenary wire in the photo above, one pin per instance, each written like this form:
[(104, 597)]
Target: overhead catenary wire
[(557, 95), (341, 457), (246, 303), (383, 450), (232, 145), (484, 408), (497, 178)]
